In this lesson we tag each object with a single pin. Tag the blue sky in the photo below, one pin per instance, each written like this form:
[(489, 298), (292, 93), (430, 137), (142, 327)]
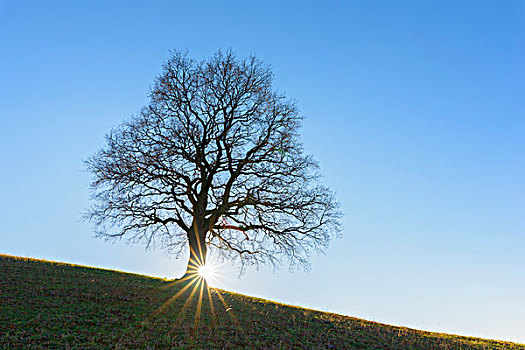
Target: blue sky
[(415, 111)]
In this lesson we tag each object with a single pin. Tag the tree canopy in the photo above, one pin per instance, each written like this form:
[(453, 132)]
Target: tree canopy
[(214, 160)]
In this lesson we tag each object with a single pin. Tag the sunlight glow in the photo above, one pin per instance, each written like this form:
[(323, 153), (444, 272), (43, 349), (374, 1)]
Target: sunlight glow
[(196, 287), (207, 272)]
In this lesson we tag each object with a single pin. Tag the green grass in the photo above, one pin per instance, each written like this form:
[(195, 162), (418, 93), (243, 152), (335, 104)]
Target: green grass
[(61, 306)]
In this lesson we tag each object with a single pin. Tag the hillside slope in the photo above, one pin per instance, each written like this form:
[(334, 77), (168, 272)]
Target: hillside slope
[(55, 305)]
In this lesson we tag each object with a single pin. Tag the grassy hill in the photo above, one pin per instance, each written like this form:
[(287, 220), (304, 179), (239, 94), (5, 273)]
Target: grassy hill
[(62, 306)]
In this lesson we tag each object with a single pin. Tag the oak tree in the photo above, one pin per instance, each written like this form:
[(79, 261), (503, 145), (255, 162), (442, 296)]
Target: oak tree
[(213, 161)]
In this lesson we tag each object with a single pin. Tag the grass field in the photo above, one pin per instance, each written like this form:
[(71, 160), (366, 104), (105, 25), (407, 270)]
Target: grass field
[(61, 306)]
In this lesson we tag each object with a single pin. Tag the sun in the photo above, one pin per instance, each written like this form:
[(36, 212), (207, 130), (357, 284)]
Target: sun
[(207, 272)]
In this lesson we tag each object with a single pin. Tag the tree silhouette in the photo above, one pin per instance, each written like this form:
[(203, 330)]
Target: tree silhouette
[(213, 161)]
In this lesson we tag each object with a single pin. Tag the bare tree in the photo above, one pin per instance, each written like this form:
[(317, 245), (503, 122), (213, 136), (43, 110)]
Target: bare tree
[(213, 161)]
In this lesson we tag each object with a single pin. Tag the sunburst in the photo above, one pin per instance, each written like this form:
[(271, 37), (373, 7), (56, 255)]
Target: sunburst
[(199, 284)]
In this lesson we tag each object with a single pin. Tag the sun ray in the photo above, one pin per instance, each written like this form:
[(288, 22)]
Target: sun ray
[(175, 282), (188, 301), (212, 308), (197, 284), (196, 320), (200, 255), (194, 260), (170, 300), (229, 310)]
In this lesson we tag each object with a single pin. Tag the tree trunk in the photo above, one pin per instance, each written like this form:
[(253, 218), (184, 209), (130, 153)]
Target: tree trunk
[(198, 250)]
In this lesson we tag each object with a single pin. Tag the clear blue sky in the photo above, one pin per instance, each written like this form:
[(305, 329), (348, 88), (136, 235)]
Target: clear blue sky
[(415, 110)]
